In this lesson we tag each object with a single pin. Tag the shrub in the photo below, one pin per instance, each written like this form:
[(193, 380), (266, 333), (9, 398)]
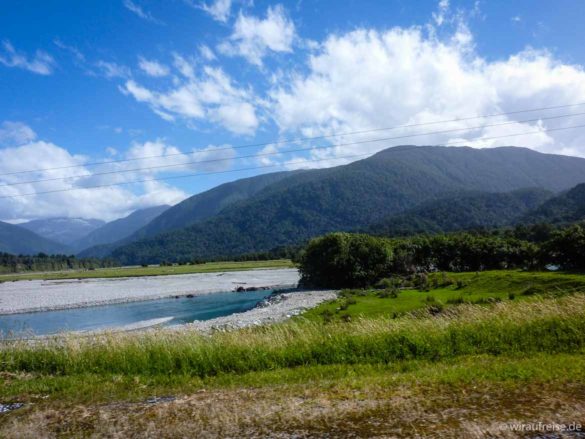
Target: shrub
[(388, 293)]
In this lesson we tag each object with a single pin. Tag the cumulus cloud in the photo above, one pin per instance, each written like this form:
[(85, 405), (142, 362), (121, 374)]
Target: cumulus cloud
[(211, 95), (368, 79), (218, 9), (253, 38), (41, 63), (153, 68), (62, 170)]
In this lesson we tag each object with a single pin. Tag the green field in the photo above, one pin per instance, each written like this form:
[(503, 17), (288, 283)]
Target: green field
[(462, 370), (471, 288), (152, 270)]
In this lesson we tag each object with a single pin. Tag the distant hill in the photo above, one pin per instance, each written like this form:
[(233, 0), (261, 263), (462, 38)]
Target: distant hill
[(565, 208), (18, 240), (463, 211), (120, 228), (63, 230), (306, 204)]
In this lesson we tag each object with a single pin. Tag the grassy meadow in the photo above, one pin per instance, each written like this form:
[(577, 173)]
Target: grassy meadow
[(445, 289), (151, 270), (465, 369)]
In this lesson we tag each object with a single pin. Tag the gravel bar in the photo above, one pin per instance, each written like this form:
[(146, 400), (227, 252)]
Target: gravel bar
[(44, 295)]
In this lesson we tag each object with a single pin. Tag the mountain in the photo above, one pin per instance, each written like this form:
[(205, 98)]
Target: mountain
[(356, 195), (565, 208), (120, 228), (208, 203), (462, 211), (18, 240), (63, 230)]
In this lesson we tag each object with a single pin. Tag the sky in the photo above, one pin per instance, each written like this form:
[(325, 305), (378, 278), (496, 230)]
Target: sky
[(154, 101)]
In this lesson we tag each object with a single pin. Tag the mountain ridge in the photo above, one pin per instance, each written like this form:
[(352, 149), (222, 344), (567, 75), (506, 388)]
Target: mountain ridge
[(355, 195)]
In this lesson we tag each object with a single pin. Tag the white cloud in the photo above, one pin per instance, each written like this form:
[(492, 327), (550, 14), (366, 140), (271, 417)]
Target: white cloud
[(15, 133), (153, 68), (439, 16), (105, 203), (368, 79), (207, 53), (209, 96), (218, 9), (77, 54), (112, 69), (41, 63), (137, 10), (253, 37)]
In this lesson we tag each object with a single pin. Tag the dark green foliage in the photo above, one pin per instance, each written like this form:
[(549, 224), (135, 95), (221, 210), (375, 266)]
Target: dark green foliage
[(344, 260), (566, 208), (566, 248), (311, 203), (206, 204), (42, 262), (462, 211)]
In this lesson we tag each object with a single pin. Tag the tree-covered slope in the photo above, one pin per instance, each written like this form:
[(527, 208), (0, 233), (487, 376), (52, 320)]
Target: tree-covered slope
[(120, 228), (462, 211), (354, 196), (18, 240), (208, 203), (565, 208)]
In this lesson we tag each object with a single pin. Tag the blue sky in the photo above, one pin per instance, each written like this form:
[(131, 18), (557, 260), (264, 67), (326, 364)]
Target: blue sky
[(91, 81)]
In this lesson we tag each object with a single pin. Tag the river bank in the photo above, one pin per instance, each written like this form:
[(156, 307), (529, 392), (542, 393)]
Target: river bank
[(42, 295)]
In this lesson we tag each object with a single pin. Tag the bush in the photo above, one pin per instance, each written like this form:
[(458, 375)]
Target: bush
[(342, 260), (388, 293)]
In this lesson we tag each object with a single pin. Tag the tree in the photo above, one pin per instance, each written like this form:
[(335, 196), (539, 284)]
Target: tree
[(347, 260)]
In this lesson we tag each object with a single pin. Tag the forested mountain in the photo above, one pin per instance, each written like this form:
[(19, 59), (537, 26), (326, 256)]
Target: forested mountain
[(462, 211), (63, 230), (120, 228), (208, 203), (567, 207), (356, 195), (18, 240)]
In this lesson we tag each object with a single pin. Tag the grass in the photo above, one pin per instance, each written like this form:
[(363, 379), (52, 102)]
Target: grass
[(209, 267), (464, 371), (461, 397), (506, 328), (456, 374), (471, 288)]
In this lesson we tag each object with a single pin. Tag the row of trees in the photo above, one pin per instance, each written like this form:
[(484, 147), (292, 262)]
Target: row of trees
[(19, 263), (357, 260)]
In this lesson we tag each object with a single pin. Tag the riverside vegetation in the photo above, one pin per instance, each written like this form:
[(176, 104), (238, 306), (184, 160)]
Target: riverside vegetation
[(466, 352)]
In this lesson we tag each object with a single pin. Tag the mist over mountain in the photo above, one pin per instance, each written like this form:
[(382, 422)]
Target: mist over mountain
[(63, 230), (120, 228), (349, 197)]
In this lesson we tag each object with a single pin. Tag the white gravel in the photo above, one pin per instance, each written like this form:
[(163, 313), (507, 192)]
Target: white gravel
[(38, 295), (281, 307)]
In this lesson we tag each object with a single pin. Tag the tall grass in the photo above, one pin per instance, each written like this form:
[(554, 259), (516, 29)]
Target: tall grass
[(547, 325)]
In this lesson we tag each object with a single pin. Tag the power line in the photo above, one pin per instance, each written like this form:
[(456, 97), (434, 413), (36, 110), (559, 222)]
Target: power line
[(300, 139), (267, 166), (289, 151)]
